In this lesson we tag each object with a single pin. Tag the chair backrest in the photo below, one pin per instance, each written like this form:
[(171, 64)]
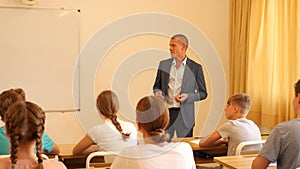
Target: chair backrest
[(45, 157), (248, 143), (94, 154), (4, 156)]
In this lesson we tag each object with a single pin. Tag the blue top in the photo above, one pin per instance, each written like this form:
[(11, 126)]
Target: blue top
[(47, 143)]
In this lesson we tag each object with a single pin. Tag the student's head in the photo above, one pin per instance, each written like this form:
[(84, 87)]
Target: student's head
[(108, 105), (296, 101), (8, 97), (24, 123), (297, 87), (152, 116), (238, 104)]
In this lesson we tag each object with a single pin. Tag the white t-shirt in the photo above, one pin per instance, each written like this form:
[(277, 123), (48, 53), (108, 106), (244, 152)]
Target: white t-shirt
[(109, 139), (150, 156), (237, 131)]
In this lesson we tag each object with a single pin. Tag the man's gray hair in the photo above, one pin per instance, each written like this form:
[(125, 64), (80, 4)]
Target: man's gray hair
[(183, 39)]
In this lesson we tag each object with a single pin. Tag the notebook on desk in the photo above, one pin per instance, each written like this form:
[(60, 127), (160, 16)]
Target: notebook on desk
[(195, 141)]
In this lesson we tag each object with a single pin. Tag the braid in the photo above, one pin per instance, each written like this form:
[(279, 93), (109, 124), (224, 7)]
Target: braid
[(38, 144), (114, 120), (13, 127), (25, 123), (14, 149), (39, 116), (108, 106), (159, 135)]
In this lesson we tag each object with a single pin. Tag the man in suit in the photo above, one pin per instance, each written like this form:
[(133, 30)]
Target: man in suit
[(180, 82)]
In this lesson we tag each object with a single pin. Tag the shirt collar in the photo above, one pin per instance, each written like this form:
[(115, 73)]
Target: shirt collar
[(183, 62)]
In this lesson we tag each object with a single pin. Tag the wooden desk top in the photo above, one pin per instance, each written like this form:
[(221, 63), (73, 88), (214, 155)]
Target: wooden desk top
[(66, 149), (237, 162), (192, 140), (78, 161), (66, 154)]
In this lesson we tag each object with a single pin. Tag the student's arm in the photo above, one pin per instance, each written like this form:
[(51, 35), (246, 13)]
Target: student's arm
[(55, 149), (214, 139), (48, 145), (260, 162), (85, 145)]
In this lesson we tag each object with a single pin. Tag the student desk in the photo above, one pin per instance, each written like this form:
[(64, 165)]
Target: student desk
[(201, 154), (237, 162), (76, 161)]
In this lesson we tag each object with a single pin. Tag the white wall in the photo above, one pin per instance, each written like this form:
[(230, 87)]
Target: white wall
[(211, 17)]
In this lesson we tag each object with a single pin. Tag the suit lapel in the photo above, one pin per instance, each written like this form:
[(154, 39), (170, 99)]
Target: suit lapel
[(187, 76)]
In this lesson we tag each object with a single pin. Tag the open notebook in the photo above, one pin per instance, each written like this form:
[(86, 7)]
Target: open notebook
[(195, 141)]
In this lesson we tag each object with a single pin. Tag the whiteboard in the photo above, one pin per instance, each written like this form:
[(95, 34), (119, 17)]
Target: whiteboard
[(38, 52)]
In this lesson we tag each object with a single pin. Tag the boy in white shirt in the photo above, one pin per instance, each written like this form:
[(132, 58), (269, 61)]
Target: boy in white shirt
[(238, 128)]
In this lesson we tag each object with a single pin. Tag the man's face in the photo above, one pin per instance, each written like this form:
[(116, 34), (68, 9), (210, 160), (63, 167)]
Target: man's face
[(177, 49)]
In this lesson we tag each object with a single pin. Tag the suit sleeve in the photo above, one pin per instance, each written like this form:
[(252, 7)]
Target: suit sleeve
[(158, 80), (201, 83)]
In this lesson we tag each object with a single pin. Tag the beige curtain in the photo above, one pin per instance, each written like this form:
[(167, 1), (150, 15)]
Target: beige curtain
[(240, 19), (270, 63)]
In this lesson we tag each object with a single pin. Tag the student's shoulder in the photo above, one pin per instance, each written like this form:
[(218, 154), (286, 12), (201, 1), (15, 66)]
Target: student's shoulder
[(53, 164), (181, 146), (2, 131), (5, 162), (132, 151), (127, 123), (241, 121), (286, 125)]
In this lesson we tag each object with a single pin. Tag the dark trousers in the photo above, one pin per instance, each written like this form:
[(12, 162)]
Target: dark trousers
[(177, 125)]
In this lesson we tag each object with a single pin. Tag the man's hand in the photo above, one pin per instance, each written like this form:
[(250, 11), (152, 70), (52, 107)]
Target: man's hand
[(160, 95), (181, 98)]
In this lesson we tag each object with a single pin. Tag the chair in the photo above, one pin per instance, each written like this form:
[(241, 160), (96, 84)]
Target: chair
[(239, 148), (98, 153), (45, 157), (4, 156)]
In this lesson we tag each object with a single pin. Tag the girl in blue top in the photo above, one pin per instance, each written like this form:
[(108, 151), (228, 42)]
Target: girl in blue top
[(7, 98)]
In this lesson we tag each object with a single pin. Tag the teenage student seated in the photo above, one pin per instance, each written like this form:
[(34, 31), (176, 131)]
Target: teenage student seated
[(283, 144), (113, 134), (238, 128), (24, 124), (152, 117), (7, 98)]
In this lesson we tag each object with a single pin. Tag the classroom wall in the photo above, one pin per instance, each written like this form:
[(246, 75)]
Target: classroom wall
[(210, 17)]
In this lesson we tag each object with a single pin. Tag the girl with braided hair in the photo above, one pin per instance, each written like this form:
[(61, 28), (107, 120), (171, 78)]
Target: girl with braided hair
[(152, 118), (24, 124), (7, 98), (113, 134)]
